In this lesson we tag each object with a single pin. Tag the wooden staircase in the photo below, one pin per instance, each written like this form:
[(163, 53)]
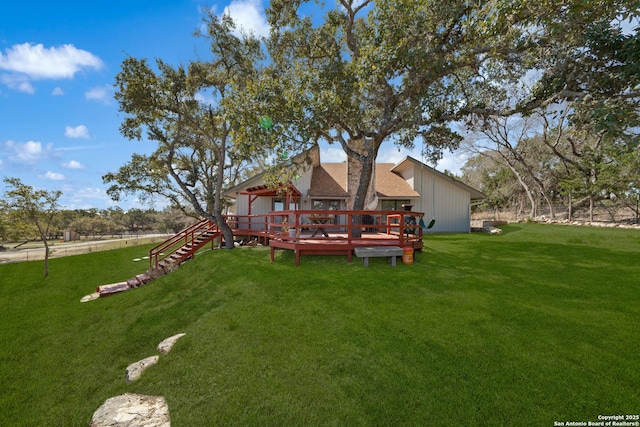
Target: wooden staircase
[(165, 257), (182, 246)]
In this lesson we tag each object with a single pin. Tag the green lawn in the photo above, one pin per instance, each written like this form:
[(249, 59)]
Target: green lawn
[(540, 324)]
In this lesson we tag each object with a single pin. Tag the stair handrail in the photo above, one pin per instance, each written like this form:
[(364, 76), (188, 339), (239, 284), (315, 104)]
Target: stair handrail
[(186, 236)]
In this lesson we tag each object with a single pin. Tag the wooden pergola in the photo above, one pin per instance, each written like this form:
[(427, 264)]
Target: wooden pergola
[(290, 192)]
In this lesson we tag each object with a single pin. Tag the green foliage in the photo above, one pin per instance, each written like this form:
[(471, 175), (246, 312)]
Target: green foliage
[(531, 325), (590, 60), (583, 94), (388, 71), (27, 207), (188, 112)]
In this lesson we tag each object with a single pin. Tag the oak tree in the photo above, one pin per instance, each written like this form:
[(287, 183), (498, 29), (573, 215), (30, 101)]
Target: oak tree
[(185, 110), (389, 71)]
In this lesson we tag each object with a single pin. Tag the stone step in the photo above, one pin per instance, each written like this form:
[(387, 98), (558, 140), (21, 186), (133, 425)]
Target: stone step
[(144, 278), (113, 288), (133, 282)]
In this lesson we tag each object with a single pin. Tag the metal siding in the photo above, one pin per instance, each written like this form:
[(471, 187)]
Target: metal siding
[(451, 204), (242, 202)]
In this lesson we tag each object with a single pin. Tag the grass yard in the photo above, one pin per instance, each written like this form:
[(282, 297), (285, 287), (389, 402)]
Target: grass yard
[(538, 325)]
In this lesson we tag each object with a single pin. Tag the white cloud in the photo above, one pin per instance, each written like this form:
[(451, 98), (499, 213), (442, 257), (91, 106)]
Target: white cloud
[(76, 132), (392, 154), (54, 176), (103, 94), (20, 83), (73, 164), (249, 16), (38, 62), (30, 152), (629, 26), (57, 92), (451, 161), (332, 155), (85, 198)]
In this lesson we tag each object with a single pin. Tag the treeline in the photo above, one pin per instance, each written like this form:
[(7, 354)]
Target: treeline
[(95, 223), (531, 168)]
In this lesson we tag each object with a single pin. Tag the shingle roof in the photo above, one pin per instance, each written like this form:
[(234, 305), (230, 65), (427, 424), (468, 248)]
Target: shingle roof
[(476, 195), (330, 180), (390, 184)]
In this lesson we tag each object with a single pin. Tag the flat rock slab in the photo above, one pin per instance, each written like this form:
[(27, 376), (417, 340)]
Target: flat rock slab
[(90, 297), (113, 288), (166, 345), (135, 370), (132, 410)]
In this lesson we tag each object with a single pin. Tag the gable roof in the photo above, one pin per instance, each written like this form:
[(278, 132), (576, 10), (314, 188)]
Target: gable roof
[(392, 185), (475, 195), (330, 180), (255, 180)]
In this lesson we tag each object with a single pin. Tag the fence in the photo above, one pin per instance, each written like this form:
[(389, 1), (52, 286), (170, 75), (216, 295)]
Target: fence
[(58, 250)]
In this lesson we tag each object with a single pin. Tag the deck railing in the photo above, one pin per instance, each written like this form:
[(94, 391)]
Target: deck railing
[(341, 220), (184, 237), (306, 231), (301, 225)]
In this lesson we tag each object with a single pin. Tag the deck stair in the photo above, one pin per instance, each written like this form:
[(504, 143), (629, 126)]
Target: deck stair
[(182, 246), (167, 255)]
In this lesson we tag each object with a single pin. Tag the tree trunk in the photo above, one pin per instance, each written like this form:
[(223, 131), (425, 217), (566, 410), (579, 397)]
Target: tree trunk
[(361, 158), (526, 189), (360, 170), (46, 258), (359, 177), (217, 202)]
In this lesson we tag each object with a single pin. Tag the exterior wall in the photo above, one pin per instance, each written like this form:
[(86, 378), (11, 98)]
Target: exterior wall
[(264, 205), (452, 203), (303, 183), (451, 208)]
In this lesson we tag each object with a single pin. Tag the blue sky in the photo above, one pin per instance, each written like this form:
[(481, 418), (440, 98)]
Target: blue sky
[(59, 123)]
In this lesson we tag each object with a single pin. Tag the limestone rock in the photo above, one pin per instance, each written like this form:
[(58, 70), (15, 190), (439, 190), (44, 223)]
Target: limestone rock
[(492, 230), (166, 345), (132, 410), (135, 370), (90, 297), (113, 288)]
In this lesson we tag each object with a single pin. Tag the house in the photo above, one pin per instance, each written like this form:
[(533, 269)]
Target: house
[(325, 186)]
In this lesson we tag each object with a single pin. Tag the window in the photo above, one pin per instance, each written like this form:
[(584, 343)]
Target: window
[(326, 204), (393, 205), (278, 204)]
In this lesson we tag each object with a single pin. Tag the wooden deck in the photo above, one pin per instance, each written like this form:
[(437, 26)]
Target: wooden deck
[(313, 232)]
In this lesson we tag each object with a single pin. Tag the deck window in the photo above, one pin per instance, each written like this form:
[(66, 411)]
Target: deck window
[(326, 204), (279, 204), (394, 205)]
